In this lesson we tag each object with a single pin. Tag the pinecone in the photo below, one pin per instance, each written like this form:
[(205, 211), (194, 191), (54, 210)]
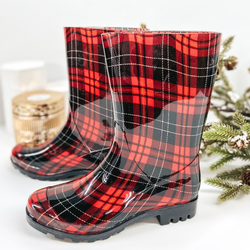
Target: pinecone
[(230, 65), (245, 177), (240, 142)]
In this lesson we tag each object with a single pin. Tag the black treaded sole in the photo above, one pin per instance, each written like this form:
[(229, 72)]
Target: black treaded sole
[(57, 177), (164, 215)]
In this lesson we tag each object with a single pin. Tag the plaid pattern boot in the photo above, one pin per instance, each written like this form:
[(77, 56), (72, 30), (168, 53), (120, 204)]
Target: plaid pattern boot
[(161, 84), (88, 133)]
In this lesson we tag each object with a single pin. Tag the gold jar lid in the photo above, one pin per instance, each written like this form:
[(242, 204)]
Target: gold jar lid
[(38, 103)]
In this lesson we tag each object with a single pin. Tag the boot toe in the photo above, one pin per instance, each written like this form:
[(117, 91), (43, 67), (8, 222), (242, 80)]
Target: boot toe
[(38, 207), (18, 156), (17, 153)]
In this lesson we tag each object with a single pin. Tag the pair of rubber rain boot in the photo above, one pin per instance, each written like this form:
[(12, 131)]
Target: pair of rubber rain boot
[(139, 101)]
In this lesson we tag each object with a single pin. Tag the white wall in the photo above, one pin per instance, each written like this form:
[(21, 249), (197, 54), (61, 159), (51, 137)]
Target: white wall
[(33, 29), (1, 106)]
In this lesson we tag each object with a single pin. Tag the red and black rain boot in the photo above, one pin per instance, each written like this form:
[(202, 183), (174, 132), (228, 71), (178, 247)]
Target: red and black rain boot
[(88, 133), (161, 84)]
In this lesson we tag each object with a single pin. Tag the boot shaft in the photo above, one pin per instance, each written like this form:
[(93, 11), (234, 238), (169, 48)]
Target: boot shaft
[(90, 99), (161, 87)]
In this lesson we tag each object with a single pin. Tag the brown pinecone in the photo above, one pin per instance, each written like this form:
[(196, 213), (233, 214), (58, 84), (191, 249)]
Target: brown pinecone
[(239, 144), (230, 65), (245, 177)]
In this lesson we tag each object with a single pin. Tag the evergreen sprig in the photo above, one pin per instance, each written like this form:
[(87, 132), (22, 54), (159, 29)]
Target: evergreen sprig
[(234, 174), (229, 193), (220, 163), (219, 183), (230, 190), (230, 137), (219, 132)]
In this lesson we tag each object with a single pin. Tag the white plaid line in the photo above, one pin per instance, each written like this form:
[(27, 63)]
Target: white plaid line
[(155, 67)]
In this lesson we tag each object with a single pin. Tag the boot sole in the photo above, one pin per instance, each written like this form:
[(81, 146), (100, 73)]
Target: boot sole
[(57, 177), (164, 215)]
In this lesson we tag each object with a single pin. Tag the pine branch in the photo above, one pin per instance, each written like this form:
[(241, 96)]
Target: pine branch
[(242, 154), (227, 44), (221, 91), (230, 190), (245, 96), (213, 135), (220, 163), (239, 105), (245, 188), (227, 156), (234, 174), (220, 132), (225, 80), (246, 128), (205, 145), (218, 151), (246, 113), (222, 98), (229, 193), (219, 183), (239, 119), (225, 129)]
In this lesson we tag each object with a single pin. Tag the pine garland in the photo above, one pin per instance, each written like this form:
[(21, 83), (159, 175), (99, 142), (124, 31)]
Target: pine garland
[(229, 138)]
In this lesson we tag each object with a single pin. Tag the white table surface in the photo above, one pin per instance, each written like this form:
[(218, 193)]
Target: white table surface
[(215, 226)]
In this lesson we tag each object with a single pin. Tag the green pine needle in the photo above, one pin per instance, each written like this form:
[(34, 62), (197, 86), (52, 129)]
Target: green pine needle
[(245, 189), (227, 44), (234, 174), (246, 127), (221, 162), (242, 154), (213, 135), (225, 81), (230, 190), (219, 183), (239, 119), (218, 151), (227, 156), (221, 132), (229, 193), (239, 105)]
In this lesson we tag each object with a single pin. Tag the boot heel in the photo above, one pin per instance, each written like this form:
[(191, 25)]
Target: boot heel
[(177, 213)]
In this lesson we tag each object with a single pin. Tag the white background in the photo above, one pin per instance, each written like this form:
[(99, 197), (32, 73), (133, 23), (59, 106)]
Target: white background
[(33, 30)]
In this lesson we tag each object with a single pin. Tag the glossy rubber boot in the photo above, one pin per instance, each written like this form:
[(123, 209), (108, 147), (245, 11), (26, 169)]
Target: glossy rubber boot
[(88, 133), (161, 85)]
